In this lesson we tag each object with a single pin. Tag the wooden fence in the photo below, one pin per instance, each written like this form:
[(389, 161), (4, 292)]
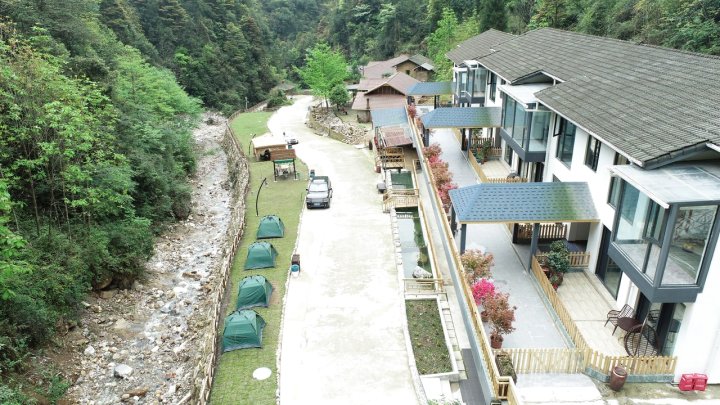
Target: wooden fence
[(547, 231), (577, 259), (423, 285)]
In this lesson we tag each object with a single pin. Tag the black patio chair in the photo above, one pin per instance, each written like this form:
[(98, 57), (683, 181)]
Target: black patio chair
[(613, 315)]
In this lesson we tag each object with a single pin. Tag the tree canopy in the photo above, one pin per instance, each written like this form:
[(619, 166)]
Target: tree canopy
[(324, 69)]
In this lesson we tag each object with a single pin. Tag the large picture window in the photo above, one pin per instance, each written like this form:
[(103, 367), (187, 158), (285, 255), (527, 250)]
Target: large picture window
[(492, 81), (614, 194), (592, 153), (566, 141)]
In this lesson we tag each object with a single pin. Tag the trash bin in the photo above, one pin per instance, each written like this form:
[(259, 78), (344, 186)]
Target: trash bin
[(294, 270), (618, 375)]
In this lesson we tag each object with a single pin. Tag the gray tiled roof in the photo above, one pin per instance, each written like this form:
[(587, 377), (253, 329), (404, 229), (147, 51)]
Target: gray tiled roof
[(524, 202), (478, 46), (386, 117), (430, 89), (463, 117), (645, 101), (419, 59)]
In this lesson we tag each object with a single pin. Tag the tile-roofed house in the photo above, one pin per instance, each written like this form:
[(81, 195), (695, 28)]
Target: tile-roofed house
[(417, 66), (478, 46), (647, 102), (389, 92)]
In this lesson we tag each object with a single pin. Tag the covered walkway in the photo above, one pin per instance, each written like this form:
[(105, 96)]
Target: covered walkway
[(535, 325)]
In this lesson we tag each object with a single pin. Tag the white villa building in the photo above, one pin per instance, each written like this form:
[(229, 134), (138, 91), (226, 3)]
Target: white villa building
[(641, 126)]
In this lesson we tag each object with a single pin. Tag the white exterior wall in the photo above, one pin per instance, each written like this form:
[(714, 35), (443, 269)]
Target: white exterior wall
[(698, 342)]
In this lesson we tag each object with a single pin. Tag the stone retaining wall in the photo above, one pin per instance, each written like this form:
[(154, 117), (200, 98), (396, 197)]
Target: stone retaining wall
[(239, 180)]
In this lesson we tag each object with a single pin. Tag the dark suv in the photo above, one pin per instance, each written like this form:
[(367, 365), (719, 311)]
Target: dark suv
[(319, 192)]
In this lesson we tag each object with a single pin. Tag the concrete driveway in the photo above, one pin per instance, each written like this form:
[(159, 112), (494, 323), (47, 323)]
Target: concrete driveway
[(342, 336)]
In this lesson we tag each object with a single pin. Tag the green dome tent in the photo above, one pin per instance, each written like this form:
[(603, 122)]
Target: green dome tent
[(254, 291), (243, 329), (271, 226), (260, 255)]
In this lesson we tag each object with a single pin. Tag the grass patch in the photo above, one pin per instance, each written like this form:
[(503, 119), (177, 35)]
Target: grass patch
[(233, 378), (427, 337)]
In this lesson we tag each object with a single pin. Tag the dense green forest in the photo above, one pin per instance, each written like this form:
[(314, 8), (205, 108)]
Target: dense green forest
[(98, 99)]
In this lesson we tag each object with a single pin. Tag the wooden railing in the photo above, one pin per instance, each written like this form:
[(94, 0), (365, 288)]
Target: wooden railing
[(391, 158), (577, 259), (503, 386), (554, 360), (547, 231), (484, 179), (400, 198), (423, 285), (431, 245)]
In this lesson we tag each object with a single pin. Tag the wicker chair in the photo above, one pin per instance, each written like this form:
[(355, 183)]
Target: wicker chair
[(614, 315)]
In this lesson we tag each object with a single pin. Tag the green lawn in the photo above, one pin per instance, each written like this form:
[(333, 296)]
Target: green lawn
[(233, 378), (427, 337)]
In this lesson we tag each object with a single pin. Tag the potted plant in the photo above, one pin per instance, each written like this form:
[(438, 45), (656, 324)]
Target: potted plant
[(558, 259), (481, 290), (505, 365), (501, 317), (484, 150), (476, 265)]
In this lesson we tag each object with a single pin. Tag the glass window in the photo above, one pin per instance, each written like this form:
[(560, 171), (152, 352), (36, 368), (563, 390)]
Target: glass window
[(592, 153), (493, 86), (612, 277), (480, 81), (508, 114), (540, 125), (566, 142), (614, 194), (518, 131), (688, 245), (508, 154), (635, 235)]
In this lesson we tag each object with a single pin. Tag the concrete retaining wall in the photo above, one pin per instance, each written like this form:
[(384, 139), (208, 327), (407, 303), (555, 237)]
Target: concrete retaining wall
[(239, 179)]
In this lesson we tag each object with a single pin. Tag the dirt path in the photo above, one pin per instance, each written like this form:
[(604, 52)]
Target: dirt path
[(153, 327)]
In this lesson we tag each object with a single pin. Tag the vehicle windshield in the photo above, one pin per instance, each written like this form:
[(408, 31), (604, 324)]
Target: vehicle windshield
[(318, 187)]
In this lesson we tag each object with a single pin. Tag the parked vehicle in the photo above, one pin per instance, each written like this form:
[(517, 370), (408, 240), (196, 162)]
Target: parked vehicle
[(319, 192)]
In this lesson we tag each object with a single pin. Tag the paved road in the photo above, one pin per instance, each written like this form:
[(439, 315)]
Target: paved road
[(342, 338)]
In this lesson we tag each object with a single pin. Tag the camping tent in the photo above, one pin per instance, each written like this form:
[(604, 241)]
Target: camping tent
[(260, 255), (243, 329), (271, 226), (254, 291)]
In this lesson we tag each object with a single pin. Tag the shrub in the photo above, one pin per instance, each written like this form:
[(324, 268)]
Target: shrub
[(481, 290), (432, 151), (476, 264), (412, 110), (505, 365), (558, 259)]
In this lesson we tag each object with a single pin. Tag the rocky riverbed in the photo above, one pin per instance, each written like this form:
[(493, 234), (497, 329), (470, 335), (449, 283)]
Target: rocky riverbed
[(139, 345)]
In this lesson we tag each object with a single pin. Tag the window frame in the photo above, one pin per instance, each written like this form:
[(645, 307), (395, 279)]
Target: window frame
[(562, 138), (592, 152)]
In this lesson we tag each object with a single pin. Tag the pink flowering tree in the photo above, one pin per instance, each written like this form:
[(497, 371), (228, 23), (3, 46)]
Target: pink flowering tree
[(481, 290)]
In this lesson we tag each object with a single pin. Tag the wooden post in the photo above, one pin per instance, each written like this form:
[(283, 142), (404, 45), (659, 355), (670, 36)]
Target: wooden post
[(463, 234)]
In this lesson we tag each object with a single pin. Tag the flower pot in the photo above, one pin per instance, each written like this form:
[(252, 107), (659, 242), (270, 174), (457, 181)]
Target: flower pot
[(496, 341), (484, 316)]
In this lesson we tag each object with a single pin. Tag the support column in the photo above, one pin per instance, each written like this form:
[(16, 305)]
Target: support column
[(463, 236), (464, 140), (453, 223), (534, 243), (436, 101), (426, 137)]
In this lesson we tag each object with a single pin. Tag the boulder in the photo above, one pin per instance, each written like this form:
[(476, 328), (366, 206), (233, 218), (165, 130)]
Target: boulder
[(89, 351), (419, 272), (122, 371)]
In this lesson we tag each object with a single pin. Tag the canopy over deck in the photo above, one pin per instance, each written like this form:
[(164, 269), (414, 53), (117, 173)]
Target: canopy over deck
[(463, 117), (524, 202)]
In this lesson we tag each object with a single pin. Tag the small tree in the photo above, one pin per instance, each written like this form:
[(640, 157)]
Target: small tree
[(476, 264), (339, 95), (500, 314), (432, 152), (558, 259), (324, 69)]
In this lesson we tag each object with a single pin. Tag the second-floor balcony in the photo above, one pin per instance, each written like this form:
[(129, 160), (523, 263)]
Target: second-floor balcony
[(525, 123), (666, 228)]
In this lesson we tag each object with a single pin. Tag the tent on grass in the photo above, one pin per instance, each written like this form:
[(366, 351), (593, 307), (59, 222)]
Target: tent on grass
[(254, 291), (260, 255), (243, 329), (271, 226)]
